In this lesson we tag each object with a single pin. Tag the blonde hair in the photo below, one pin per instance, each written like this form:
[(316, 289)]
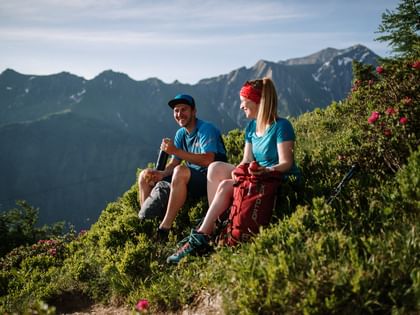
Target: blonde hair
[(267, 112)]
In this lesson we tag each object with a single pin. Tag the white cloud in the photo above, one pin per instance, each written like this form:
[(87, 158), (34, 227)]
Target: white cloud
[(182, 39), (159, 13)]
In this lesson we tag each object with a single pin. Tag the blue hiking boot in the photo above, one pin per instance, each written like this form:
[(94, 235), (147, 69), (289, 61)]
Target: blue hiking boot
[(195, 244)]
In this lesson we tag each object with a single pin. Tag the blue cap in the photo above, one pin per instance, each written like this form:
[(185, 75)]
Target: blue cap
[(182, 99)]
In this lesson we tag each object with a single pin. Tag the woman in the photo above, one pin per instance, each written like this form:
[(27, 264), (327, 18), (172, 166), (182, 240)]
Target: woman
[(269, 140)]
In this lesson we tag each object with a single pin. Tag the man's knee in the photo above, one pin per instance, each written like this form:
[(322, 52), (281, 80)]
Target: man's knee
[(141, 178), (181, 175)]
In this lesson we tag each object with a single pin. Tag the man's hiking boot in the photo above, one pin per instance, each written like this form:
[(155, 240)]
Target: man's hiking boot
[(162, 235), (195, 244)]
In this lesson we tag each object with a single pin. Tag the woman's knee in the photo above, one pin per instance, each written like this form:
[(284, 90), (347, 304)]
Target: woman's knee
[(218, 171), (225, 186)]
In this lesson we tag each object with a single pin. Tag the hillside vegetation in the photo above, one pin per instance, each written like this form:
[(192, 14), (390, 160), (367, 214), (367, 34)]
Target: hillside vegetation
[(358, 254)]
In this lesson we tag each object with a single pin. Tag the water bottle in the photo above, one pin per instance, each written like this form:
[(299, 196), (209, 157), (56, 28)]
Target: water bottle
[(161, 161)]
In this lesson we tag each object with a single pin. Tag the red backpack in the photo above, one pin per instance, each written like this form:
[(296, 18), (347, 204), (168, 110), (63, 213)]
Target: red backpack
[(254, 198)]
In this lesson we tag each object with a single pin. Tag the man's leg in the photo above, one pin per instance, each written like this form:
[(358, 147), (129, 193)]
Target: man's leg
[(144, 187), (178, 195)]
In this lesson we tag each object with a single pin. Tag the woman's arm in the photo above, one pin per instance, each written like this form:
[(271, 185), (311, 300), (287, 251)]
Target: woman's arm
[(248, 156), (286, 156)]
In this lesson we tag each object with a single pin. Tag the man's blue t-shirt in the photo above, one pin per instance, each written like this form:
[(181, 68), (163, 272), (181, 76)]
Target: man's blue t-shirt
[(204, 138), (264, 148)]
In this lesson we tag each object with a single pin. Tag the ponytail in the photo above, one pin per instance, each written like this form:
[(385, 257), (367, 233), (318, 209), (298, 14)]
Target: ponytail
[(267, 112)]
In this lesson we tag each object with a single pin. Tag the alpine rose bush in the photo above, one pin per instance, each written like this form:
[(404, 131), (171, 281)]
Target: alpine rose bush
[(390, 101)]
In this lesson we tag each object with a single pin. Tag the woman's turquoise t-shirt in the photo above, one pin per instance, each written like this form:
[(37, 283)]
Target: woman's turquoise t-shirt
[(264, 148)]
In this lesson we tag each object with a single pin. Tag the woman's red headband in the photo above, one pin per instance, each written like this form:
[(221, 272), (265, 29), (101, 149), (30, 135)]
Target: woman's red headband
[(251, 93)]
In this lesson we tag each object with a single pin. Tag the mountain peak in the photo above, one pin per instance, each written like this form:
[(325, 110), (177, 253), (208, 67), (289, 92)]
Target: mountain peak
[(10, 73), (111, 74), (328, 54), (319, 57)]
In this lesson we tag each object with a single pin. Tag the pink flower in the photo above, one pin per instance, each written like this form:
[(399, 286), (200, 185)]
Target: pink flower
[(390, 111), (387, 133), (52, 251), (379, 69), (142, 305), (341, 157), (403, 120), (373, 117), (416, 65)]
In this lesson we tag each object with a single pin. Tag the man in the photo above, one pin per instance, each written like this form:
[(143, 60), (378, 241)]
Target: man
[(198, 143)]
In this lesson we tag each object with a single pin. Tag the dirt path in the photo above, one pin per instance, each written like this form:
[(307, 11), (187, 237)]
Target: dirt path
[(101, 310), (205, 305)]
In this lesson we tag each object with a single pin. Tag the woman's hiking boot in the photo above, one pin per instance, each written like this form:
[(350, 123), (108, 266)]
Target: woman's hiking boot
[(195, 244)]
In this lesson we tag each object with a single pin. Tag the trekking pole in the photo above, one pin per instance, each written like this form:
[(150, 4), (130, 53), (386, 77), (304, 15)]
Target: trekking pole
[(343, 182)]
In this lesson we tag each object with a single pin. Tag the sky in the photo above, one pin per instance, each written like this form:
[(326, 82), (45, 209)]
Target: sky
[(184, 40)]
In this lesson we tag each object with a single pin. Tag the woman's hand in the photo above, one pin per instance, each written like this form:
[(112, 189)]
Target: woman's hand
[(255, 169)]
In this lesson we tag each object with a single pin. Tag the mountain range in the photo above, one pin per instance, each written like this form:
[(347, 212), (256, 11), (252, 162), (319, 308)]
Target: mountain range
[(69, 145)]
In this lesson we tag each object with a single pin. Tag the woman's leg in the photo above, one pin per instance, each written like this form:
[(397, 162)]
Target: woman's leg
[(198, 241), (217, 172), (221, 201)]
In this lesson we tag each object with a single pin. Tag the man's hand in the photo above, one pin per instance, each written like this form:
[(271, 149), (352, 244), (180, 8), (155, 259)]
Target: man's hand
[(152, 176), (168, 146)]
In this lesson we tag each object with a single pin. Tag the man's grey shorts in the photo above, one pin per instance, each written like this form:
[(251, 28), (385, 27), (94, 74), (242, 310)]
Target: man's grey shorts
[(155, 205)]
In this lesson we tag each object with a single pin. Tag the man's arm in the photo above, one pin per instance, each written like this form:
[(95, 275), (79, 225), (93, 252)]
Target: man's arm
[(170, 167), (154, 176), (201, 159)]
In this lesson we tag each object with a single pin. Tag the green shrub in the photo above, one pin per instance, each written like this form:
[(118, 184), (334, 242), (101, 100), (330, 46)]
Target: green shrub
[(18, 227), (357, 254)]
